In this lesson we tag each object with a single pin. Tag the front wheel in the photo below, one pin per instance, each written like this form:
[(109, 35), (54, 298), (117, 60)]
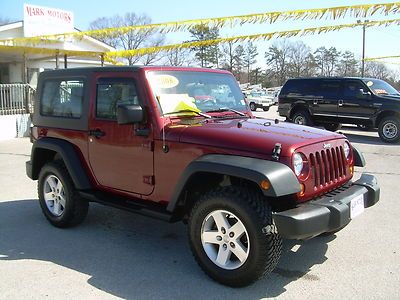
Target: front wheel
[(58, 197), (389, 129), (232, 236), (266, 108), (253, 106), (332, 126)]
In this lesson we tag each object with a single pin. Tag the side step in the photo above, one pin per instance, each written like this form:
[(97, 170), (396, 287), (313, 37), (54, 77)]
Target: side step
[(150, 210)]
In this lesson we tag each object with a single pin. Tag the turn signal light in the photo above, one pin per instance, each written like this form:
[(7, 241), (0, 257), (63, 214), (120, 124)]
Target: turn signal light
[(351, 170), (265, 184), (302, 190)]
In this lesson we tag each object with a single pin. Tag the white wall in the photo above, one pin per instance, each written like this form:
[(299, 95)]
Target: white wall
[(15, 72)]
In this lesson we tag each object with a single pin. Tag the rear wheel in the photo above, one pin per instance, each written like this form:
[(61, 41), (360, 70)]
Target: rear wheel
[(253, 106), (389, 129), (302, 117), (232, 236), (332, 126), (266, 108), (58, 197)]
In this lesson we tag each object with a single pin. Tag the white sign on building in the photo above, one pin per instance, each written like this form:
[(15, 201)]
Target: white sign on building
[(39, 20)]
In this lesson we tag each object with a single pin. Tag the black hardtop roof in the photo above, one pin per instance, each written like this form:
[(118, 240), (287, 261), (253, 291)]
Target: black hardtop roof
[(87, 70)]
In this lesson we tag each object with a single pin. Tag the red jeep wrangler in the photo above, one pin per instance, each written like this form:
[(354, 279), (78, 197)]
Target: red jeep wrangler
[(145, 140)]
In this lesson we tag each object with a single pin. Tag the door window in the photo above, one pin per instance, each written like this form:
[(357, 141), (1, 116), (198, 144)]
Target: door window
[(113, 92), (62, 98), (354, 89)]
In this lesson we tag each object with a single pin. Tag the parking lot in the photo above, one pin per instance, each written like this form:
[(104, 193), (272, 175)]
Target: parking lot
[(118, 254)]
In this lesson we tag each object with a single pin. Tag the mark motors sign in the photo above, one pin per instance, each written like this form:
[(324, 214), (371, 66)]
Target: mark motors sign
[(39, 20)]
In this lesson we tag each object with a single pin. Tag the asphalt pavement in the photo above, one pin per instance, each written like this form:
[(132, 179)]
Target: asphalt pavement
[(116, 254)]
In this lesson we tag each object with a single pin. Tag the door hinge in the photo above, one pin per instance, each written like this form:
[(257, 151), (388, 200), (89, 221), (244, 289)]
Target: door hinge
[(148, 145), (148, 179)]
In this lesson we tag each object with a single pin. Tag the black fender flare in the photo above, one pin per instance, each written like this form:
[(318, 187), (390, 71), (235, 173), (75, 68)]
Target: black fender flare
[(282, 179), (359, 160), (69, 155)]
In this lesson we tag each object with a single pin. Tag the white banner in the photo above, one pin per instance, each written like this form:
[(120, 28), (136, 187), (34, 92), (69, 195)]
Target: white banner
[(39, 20)]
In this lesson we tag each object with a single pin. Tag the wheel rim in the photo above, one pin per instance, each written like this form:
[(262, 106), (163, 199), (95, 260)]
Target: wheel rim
[(225, 239), (389, 130), (300, 120), (54, 195)]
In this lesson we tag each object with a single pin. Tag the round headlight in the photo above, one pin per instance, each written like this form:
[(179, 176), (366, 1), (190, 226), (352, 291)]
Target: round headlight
[(297, 163), (346, 149)]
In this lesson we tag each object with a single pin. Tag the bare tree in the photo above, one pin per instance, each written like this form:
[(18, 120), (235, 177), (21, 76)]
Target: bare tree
[(250, 54), (376, 70), (179, 57), (130, 40), (228, 56), (301, 60), (277, 58), (348, 65), (4, 20)]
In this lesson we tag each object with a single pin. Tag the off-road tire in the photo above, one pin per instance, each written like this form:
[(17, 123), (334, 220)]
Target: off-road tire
[(332, 126), (389, 129), (302, 117), (265, 244), (252, 106), (266, 108), (75, 209)]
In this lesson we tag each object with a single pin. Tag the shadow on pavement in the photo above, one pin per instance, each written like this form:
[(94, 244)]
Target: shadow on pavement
[(131, 256)]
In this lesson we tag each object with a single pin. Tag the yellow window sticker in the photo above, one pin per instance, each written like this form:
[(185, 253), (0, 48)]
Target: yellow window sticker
[(370, 83), (175, 102), (164, 81)]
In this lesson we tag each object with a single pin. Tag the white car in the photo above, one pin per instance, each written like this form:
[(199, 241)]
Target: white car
[(259, 99)]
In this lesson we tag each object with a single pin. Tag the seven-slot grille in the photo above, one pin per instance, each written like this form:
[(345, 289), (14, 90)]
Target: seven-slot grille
[(328, 166)]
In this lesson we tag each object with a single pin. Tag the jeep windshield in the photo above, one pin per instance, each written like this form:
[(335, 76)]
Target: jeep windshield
[(381, 87), (192, 92)]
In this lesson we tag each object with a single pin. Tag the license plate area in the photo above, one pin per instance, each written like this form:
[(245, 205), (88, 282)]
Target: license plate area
[(356, 206)]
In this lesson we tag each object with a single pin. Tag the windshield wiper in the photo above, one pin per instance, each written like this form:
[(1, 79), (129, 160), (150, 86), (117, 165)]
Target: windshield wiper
[(188, 111), (222, 109)]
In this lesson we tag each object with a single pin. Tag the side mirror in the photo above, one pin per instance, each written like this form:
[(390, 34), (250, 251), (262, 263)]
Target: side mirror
[(130, 114)]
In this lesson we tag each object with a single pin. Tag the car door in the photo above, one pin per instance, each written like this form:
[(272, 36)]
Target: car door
[(119, 158), (356, 103), (325, 101)]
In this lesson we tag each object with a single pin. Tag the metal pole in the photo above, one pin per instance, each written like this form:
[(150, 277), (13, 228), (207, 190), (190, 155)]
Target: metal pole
[(363, 53), (65, 61), (102, 60), (57, 59), (363, 46)]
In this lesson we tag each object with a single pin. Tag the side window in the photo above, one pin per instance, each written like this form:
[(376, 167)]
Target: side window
[(112, 92), (354, 89), (329, 88), (62, 98)]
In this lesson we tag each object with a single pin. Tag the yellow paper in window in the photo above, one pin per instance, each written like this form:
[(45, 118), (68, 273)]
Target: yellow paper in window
[(176, 102)]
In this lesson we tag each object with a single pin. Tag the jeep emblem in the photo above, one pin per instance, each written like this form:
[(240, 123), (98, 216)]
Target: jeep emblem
[(327, 146)]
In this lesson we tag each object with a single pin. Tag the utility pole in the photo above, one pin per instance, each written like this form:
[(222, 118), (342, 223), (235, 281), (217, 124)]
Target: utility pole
[(363, 47)]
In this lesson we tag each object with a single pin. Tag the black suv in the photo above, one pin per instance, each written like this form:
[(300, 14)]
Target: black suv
[(366, 102)]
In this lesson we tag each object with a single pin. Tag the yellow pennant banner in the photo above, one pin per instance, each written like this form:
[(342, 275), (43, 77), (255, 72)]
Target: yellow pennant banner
[(381, 57), (254, 37), (334, 13), (48, 51)]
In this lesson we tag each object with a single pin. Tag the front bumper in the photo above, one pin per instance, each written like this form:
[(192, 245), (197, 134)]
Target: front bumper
[(326, 214)]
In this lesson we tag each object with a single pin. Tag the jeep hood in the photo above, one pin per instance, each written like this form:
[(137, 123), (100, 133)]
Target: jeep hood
[(250, 135)]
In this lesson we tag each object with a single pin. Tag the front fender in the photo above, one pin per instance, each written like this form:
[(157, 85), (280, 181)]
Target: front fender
[(282, 179)]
